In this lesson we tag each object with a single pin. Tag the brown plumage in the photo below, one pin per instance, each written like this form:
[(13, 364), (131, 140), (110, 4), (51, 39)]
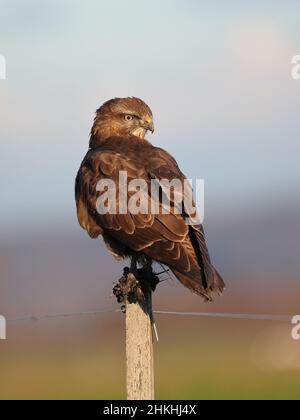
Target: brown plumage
[(117, 143)]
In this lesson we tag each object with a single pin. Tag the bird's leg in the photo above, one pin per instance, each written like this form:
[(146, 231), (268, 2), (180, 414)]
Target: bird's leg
[(136, 293), (133, 265), (148, 275)]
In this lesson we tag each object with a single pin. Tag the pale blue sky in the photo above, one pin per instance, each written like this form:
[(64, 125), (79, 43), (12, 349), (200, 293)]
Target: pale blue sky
[(218, 78)]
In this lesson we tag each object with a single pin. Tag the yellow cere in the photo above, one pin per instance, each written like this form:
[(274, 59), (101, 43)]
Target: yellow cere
[(148, 119)]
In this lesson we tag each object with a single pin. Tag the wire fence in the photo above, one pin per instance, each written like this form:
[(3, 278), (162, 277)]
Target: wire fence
[(237, 316), (233, 316), (60, 315)]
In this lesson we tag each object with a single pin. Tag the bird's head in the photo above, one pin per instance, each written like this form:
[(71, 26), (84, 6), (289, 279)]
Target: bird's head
[(122, 117)]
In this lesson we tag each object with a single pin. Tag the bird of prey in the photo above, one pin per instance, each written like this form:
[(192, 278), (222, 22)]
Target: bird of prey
[(118, 143)]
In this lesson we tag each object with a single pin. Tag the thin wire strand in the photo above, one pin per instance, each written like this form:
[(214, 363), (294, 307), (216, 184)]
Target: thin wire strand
[(254, 317), (67, 315)]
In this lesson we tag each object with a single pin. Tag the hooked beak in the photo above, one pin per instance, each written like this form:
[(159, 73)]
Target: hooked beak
[(148, 124)]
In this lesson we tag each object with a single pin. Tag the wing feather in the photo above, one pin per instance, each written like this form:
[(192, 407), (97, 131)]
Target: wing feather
[(163, 237)]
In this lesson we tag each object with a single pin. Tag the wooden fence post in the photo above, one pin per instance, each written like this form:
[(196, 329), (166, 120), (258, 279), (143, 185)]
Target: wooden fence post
[(139, 350)]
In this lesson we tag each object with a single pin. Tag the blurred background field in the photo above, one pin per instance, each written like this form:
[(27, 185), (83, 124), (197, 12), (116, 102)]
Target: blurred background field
[(218, 78), (84, 357), (193, 360)]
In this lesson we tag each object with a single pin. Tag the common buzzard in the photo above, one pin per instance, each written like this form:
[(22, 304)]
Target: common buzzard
[(117, 143)]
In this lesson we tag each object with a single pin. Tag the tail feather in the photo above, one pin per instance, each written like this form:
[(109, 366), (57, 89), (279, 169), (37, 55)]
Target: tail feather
[(198, 285), (219, 284)]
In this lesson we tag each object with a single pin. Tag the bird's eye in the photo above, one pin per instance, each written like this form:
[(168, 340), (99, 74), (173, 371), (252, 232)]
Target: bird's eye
[(128, 117)]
